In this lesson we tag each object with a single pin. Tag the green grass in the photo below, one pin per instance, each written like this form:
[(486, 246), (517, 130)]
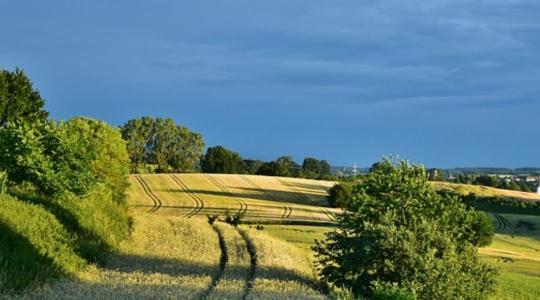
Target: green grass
[(34, 246)]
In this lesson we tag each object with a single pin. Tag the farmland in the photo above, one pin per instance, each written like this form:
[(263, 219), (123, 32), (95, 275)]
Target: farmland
[(173, 251), (257, 198)]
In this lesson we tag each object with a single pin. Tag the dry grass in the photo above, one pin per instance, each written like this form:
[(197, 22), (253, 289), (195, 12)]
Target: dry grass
[(262, 198), (165, 258), (283, 270), (485, 191), (178, 258)]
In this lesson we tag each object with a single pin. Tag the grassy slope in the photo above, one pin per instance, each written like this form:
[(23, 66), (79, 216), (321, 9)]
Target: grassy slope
[(484, 191), (260, 198), (172, 257)]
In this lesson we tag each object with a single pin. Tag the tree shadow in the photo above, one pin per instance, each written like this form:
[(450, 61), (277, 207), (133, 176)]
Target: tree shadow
[(276, 195), (21, 264), (175, 267), (87, 244)]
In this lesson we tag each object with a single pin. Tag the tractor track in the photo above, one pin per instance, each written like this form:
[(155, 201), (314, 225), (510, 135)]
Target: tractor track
[(199, 203), (305, 197), (150, 194), (287, 209), (243, 205), (502, 222), (224, 259), (252, 263)]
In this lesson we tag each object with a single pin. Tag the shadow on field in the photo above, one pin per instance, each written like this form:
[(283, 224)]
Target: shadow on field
[(87, 244), (172, 267), (277, 195), (21, 263), (308, 186)]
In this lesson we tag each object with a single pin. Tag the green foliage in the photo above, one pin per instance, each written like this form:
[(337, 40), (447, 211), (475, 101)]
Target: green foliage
[(221, 160), (34, 246), (386, 291), (19, 101), (339, 194), (3, 182), (314, 168), (398, 230), (284, 166), (160, 141), (65, 156)]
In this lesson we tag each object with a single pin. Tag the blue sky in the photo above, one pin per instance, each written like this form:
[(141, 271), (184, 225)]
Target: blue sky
[(445, 83)]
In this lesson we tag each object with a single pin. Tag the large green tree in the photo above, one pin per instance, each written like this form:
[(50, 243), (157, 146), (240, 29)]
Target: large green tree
[(397, 231), (19, 101), (218, 159), (161, 142), (314, 168)]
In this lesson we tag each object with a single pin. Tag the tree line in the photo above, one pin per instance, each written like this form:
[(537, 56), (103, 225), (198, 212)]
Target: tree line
[(218, 159)]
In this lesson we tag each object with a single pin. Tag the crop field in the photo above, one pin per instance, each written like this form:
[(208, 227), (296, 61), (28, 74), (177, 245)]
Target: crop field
[(484, 191), (178, 258), (256, 198)]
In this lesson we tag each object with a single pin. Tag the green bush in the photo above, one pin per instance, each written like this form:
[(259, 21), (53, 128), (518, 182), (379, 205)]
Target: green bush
[(34, 246), (339, 194), (398, 230)]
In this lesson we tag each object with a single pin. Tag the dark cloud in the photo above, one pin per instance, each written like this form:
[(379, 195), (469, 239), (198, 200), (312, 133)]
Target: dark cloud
[(372, 77)]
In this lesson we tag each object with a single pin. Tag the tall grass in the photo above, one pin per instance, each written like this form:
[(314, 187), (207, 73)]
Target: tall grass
[(34, 246)]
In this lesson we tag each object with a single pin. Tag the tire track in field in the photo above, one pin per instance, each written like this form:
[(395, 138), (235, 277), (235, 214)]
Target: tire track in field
[(287, 209), (252, 263), (502, 222), (150, 194), (243, 205), (305, 197), (224, 259), (199, 203)]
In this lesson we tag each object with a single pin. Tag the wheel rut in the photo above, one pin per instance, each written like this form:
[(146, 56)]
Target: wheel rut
[(501, 222), (199, 203), (243, 205), (306, 198), (287, 209), (146, 188), (250, 281), (224, 258)]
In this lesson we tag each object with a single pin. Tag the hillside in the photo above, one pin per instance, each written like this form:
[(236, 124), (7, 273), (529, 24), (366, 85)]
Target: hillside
[(256, 198), (179, 258), (484, 191)]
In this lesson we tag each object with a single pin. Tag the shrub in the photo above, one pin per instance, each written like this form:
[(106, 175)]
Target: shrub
[(34, 246), (339, 194), (399, 231)]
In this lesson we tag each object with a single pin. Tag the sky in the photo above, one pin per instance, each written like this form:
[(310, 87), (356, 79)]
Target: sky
[(445, 83)]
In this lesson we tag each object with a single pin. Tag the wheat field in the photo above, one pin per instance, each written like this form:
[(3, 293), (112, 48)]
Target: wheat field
[(170, 257), (256, 198)]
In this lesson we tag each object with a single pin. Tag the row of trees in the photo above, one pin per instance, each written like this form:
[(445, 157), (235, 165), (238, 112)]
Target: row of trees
[(221, 160), (161, 142)]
